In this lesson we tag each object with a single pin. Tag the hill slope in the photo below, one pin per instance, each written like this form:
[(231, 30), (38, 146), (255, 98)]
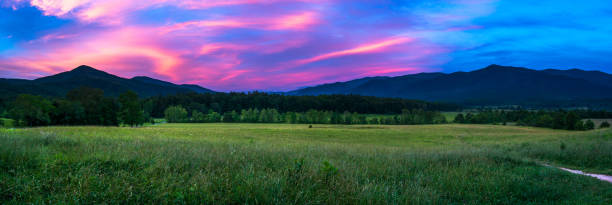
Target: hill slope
[(491, 85), (60, 84)]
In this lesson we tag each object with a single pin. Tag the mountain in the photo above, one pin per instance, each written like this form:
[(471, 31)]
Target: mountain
[(193, 88), (494, 84), (60, 84)]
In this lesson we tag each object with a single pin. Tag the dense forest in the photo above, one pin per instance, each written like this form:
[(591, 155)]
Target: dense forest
[(558, 119), (407, 117), (227, 102), (89, 106), (84, 106)]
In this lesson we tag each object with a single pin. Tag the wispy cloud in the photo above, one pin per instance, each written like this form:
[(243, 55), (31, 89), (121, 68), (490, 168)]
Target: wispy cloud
[(285, 44)]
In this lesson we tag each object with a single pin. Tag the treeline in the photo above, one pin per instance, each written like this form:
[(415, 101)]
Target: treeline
[(83, 106), (89, 106), (174, 114), (228, 102), (560, 119)]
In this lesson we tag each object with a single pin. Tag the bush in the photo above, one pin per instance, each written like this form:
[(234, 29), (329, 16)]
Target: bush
[(579, 126), (589, 125), (604, 124)]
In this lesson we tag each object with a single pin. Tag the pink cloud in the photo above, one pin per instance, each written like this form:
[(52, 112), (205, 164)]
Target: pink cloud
[(98, 50), (299, 21), (252, 47), (366, 48)]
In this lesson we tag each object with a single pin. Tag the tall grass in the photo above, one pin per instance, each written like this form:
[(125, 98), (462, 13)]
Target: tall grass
[(292, 164)]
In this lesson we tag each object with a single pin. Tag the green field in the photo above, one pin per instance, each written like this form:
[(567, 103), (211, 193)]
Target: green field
[(294, 164)]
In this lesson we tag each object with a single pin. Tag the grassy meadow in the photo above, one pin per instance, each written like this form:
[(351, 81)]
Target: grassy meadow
[(294, 164)]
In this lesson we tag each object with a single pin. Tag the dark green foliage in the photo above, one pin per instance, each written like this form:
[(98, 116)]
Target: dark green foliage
[(227, 102), (228, 116), (84, 106), (29, 110), (7, 122), (579, 126), (147, 107), (131, 112), (213, 117), (604, 124), (67, 113), (175, 114), (572, 121), (569, 120), (328, 170), (197, 116), (459, 118), (589, 125), (99, 110)]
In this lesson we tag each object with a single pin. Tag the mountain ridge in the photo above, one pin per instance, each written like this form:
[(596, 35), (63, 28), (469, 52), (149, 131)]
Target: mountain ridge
[(493, 84), (85, 76)]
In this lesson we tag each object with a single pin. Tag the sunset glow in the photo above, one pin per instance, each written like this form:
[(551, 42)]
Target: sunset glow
[(280, 45)]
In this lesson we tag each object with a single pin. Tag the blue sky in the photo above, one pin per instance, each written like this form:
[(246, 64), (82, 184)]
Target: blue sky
[(237, 45)]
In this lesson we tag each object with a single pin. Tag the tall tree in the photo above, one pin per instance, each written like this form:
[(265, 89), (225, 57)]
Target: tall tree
[(67, 113), (30, 110), (572, 121), (589, 125), (131, 112), (99, 110)]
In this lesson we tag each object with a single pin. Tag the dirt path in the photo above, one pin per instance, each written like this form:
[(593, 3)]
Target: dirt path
[(598, 176)]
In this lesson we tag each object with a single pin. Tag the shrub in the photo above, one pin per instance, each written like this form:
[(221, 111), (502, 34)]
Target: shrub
[(589, 125), (328, 169), (604, 124)]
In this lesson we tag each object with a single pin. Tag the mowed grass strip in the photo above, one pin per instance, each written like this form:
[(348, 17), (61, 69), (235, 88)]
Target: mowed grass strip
[(294, 164)]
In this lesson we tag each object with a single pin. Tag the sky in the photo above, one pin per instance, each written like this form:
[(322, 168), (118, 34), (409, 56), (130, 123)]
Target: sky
[(280, 45)]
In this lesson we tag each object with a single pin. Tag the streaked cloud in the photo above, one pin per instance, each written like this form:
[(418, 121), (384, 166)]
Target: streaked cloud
[(284, 44)]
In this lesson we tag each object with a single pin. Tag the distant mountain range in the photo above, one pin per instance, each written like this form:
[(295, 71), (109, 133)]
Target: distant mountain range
[(491, 85), (59, 84)]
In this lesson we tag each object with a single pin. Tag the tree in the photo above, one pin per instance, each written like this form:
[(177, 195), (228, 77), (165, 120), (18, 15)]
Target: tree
[(579, 125), (459, 118), (214, 116), (228, 117), (131, 112), (30, 110), (198, 116), (147, 106), (572, 121), (604, 124), (98, 109), (469, 118), (67, 113), (544, 120), (175, 114), (589, 125), (348, 117), (374, 121)]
